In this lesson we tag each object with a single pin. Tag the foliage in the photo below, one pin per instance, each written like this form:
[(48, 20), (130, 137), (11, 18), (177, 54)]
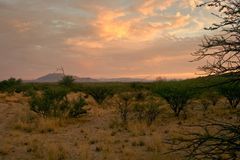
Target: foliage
[(139, 111), (67, 81), (209, 97), (124, 101), (232, 93), (54, 102), (146, 111), (99, 92), (152, 111), (10, 84), (77, 107), (177, 94)]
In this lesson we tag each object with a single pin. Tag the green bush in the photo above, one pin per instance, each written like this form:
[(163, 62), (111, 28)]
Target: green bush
[(176, 93), (139, 111), (54, 102), (99, 92), (67, 81), (124, 101), (152, 111), (146, 111), (232, 93), (10, 84), (77, 108)]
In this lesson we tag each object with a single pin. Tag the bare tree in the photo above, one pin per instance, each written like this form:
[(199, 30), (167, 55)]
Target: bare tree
[(222, 50), (217, 141)]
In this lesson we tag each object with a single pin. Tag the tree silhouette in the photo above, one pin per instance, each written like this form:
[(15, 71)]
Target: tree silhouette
[(222, 50)]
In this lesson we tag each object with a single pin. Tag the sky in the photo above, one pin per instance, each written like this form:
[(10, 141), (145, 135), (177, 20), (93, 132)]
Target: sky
[(101, 38)]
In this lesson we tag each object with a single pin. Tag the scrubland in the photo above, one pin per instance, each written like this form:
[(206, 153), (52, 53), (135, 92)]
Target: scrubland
[(102, 132)]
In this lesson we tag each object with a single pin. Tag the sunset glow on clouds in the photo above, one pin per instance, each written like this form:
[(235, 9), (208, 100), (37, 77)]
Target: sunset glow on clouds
[(100, 38)]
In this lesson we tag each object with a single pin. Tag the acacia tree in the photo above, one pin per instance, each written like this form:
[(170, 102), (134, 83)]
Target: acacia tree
[(222, 50)]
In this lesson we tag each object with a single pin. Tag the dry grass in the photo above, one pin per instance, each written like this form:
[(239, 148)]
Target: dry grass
[(97, 135)]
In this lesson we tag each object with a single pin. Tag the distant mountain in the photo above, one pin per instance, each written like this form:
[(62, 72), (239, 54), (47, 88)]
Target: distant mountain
[(56, 77), (124, 80)]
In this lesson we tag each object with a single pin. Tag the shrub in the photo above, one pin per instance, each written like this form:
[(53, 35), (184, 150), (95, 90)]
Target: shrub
[(146, 111), (205, 103), (232, 93), (213, 96), (98, 92), (10, 84), (139, 110), (54, 102), (152, 111), (177, 94), (67, 81), (77, 107), (124, 101)]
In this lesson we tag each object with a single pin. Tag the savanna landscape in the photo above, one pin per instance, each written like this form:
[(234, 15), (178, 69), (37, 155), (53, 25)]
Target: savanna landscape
[(64, 117)]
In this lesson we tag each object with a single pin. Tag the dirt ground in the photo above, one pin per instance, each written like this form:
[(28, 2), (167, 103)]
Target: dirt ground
[(97, 135)]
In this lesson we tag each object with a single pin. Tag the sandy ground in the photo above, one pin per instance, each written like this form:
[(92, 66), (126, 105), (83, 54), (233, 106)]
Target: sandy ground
[(96, 135)]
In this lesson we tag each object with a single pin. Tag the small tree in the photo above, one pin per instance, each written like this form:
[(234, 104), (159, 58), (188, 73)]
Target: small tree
[(77, 107), (208, 98), (124, 101), (176, 94), (151, 113), (139, 111), (67, 81), (232, 93), (205, 103), (10, 85), (213, 96), (54, 102), (99, 92)]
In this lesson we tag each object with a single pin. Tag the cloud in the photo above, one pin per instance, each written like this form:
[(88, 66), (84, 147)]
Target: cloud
[(84, 43), (21, 26), (149, 7), (98, 38), (191, 3)]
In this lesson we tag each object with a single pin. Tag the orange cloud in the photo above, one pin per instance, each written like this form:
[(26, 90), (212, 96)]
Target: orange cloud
[(158, 59), (111, 27), (21, 26), (150, 6), (84, 43), (115, 25)]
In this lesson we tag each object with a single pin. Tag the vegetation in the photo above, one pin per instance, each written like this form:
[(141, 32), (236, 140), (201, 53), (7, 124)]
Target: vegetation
[(222, 49), (177, 94), (67, 81), (54, 102), (223, 143), (232, 93), (99, 92), (10, 85), (151, 113), (218, 140), (124, 101)]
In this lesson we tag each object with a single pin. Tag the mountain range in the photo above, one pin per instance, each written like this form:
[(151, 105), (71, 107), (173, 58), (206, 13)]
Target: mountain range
[(56, 77)]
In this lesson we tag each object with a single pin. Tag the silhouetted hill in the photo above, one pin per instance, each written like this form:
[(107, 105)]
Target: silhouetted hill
[(56, 77)]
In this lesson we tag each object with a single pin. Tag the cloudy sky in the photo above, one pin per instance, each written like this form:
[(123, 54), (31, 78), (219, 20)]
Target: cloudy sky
[(101, 38)]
